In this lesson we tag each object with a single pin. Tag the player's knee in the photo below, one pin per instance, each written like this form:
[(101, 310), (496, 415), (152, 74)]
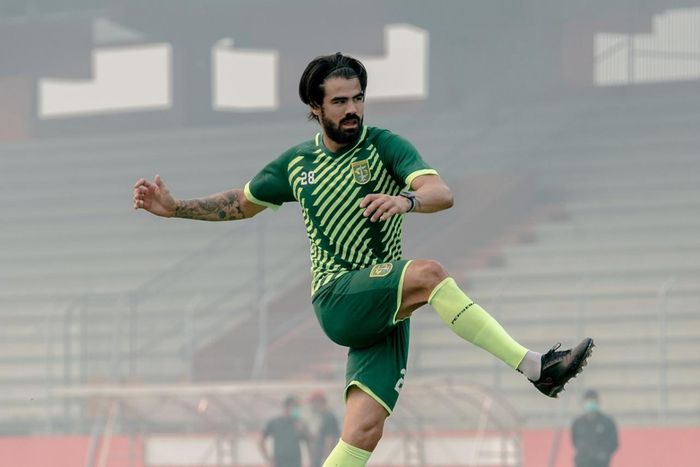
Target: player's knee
[(366, 435), (430, 273)]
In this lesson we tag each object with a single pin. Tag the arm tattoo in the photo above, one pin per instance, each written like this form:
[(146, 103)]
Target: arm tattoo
[(220, 207)]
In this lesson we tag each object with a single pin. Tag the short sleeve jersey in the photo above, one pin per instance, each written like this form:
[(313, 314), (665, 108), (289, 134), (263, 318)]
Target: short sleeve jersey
[(329, 187)]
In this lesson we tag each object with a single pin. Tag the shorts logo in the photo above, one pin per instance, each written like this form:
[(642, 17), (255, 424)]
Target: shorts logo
[(361, 172), (399, 383), (381, 270)]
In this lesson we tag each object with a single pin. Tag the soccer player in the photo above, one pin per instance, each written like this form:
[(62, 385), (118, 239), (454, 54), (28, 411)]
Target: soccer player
[(355, 183)]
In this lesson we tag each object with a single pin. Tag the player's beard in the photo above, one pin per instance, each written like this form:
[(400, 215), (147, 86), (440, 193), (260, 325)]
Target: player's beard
[(339, 134)]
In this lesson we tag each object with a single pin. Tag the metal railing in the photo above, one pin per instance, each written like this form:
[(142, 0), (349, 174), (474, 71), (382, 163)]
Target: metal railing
[(121, 337)]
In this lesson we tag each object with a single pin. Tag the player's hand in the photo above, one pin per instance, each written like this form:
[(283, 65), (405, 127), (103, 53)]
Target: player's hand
[(154, 197), (379, 207)]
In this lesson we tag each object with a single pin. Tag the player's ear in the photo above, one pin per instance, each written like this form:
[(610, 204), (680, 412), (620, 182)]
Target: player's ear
[(316, 110)]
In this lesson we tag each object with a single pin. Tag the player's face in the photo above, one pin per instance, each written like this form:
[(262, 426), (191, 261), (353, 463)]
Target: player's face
[(343, 109)]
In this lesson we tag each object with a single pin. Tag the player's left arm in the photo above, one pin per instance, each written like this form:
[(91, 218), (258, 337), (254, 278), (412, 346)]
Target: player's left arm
[(431, 195)]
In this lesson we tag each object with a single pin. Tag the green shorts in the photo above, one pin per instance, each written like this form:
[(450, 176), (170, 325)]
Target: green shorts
[(358, 310)]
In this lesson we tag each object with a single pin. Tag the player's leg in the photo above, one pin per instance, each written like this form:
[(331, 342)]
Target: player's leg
[(426, 281), (363, 426), (359, 311), (374, 379)]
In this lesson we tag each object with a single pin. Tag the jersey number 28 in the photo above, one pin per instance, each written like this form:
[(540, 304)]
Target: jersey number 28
[(308, 178)]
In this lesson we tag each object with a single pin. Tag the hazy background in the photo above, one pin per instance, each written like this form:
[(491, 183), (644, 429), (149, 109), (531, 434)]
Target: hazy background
[(567, 130)]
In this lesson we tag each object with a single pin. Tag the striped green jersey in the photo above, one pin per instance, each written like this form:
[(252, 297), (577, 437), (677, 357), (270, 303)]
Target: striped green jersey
[(329, 187)]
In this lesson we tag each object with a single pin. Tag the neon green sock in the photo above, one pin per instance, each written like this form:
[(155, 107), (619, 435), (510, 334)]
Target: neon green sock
[(345, 455), (472, 323)]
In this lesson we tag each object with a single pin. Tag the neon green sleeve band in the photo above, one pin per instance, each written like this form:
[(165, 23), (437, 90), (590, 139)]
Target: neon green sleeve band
[(412, 176), (249, 196)]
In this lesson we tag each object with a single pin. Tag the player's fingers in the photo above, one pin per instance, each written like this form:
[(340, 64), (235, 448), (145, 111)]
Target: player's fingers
[(383, 207), (372, 207), (389, 213), (159, 181), (379, 200), (393, 208), (368, 199), (140, 193), (379, 215), (139, 182), (147, 186)]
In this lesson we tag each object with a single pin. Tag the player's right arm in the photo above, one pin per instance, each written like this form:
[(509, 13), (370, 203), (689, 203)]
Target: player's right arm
[(155, 198)]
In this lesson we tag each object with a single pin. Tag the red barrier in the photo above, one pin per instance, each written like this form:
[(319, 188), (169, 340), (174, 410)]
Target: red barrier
[(639, 447), (65, 451)]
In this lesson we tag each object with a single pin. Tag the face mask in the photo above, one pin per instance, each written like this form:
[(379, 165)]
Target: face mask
[(295, 412), (590, 406)]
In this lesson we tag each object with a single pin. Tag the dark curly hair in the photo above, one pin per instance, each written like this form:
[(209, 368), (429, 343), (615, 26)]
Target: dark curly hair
[(328, 66)]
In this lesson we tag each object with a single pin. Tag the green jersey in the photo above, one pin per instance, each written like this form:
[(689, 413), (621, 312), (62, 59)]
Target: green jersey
[(329, 187)]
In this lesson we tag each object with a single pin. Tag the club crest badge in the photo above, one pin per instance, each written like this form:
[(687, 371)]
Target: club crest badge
[(381, 270), (360, 172)]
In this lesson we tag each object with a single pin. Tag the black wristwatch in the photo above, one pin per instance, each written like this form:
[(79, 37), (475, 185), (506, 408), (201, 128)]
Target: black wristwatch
[(409, 195)]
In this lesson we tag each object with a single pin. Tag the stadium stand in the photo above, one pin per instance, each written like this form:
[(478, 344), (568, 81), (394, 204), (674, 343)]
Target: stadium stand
[(94, 292), (620, 263)]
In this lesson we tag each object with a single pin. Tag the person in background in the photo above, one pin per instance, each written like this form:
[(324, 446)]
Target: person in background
[(594, 434), (325, 431), (288, 433)]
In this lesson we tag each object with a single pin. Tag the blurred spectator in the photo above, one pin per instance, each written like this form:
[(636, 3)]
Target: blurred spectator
[(287, 432), (324, 429), (594, 434)]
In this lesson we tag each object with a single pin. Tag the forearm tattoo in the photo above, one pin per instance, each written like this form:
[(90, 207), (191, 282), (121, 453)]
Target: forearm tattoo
[(220, 207), (418, 204)]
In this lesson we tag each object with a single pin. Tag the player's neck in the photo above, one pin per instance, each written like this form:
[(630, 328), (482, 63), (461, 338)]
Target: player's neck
[(332, 146), (340, 149)]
